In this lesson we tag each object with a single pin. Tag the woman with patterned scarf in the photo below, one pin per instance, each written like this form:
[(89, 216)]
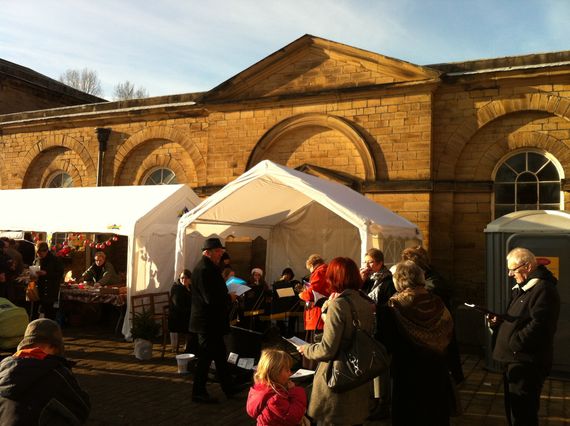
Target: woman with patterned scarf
[(416, 327)]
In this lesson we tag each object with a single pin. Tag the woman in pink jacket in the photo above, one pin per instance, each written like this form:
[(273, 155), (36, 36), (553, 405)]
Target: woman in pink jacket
[(274, 400)]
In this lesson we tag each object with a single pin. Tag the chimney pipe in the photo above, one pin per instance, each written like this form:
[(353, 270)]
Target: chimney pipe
[(102, 136)]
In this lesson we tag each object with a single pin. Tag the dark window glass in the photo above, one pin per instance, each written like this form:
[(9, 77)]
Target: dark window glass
[(526, 177), (526, 181), (549, 172), (161, 177), (527, 207), (60, 180), (535, 161), (549, 206), (549, 192), (505, 174), (518, 163), (527, 193), (503, 210), (505, 193)]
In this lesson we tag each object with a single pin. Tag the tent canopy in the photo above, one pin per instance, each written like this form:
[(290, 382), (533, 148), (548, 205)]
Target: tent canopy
[(148, 215), (103, 209), (297, 213)]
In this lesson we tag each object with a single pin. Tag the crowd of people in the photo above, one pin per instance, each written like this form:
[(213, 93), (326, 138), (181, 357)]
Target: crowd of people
[(408, 310), (45, 270)]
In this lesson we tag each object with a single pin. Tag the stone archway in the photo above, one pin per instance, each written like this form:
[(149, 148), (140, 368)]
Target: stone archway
[(493, 110), (64, 143), (155, 153), (165, 133), (492, 153), (295, 123)]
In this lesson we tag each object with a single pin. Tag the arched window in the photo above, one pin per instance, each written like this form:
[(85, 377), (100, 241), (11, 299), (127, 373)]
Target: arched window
[(527, 181), (60, 180), (160, 176)]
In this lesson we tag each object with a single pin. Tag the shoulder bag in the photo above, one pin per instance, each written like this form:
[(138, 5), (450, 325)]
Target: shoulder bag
[(365, 359)]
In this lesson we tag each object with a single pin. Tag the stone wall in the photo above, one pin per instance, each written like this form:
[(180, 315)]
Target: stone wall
[(421, 144)]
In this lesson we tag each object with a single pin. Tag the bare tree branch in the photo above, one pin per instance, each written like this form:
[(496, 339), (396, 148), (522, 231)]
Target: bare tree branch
[(127, 90), (85, 80)]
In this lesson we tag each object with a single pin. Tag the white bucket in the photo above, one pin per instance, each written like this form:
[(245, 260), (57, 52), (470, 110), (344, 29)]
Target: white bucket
[(182, 360)]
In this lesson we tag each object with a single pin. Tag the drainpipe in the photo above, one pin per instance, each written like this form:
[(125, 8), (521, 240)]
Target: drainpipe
[(102, 136)]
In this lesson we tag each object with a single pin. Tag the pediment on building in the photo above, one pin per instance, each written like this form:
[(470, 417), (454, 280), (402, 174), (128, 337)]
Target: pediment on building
[(310, 65)]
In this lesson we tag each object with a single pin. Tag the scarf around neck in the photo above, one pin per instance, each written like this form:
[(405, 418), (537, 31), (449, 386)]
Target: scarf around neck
[(423, 318)]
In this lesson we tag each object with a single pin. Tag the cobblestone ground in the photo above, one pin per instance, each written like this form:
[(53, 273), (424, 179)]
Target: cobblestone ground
[(126, 391)]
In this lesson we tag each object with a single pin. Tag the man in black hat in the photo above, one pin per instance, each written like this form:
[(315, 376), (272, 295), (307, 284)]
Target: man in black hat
[(37, 386), (211, 304)]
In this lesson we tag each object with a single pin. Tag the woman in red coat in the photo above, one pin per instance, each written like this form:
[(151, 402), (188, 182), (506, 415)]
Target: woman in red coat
[(315, 293)]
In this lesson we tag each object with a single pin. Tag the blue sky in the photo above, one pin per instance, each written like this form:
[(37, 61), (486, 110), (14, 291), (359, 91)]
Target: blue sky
[(179, 46)]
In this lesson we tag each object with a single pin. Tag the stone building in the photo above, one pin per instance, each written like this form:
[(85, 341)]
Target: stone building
[(22, 89), (448, 146)]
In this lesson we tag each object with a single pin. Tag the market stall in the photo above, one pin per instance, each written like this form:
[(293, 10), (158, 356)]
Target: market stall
[(146, 215), (298, 214)]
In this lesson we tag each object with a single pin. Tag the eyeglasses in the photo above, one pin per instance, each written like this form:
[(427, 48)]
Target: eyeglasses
[(512, 271)]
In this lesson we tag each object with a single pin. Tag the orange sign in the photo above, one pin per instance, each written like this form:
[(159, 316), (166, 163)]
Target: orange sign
[(552, 263)]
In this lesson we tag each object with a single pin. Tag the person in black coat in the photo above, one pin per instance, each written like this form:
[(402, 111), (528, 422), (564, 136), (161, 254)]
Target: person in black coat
[(416, 328), (37, 386), (50, 277), (377, 278), (211, 304), (436, 284), (524, 337), (179, 312)]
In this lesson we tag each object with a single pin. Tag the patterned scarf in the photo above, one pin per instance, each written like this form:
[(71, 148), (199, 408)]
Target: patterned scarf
[(423, 317)]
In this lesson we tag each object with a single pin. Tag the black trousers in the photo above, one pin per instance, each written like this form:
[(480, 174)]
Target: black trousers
[(523, 385), (211, 348)]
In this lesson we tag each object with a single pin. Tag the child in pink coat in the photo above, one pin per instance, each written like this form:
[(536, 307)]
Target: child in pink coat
[(274, 400)]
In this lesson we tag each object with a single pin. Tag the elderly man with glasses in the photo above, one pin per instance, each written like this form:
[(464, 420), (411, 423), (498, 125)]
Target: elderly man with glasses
[(524, 336)]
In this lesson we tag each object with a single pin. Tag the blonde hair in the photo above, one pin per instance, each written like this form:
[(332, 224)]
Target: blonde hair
[(314, 260), (270, 365)]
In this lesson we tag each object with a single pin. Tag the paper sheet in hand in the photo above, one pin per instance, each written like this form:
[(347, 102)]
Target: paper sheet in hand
[(295, 341), (238, 289), (285, 292), (232, 358), (488, 312), (246, 363), (301, 372)]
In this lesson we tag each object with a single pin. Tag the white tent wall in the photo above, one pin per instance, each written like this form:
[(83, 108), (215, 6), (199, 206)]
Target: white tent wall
[(315, 229), (270, 196), (154, 250)]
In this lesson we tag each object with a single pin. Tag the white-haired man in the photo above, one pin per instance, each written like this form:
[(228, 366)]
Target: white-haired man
[(524, 336)]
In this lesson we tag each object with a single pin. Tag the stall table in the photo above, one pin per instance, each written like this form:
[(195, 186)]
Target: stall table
[(115, 296)]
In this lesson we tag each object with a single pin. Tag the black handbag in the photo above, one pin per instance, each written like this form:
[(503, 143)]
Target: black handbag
[(365, 359)]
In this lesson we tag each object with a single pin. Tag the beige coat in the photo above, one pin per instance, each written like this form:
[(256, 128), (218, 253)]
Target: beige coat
[(351, 407)]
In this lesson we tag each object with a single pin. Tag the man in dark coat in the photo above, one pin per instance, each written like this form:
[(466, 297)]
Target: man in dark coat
[(37, 386), (50, 277), (211, 304), (525, 335)]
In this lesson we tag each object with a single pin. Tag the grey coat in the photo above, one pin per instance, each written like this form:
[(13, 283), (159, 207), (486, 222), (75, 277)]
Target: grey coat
[(351, 407)]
